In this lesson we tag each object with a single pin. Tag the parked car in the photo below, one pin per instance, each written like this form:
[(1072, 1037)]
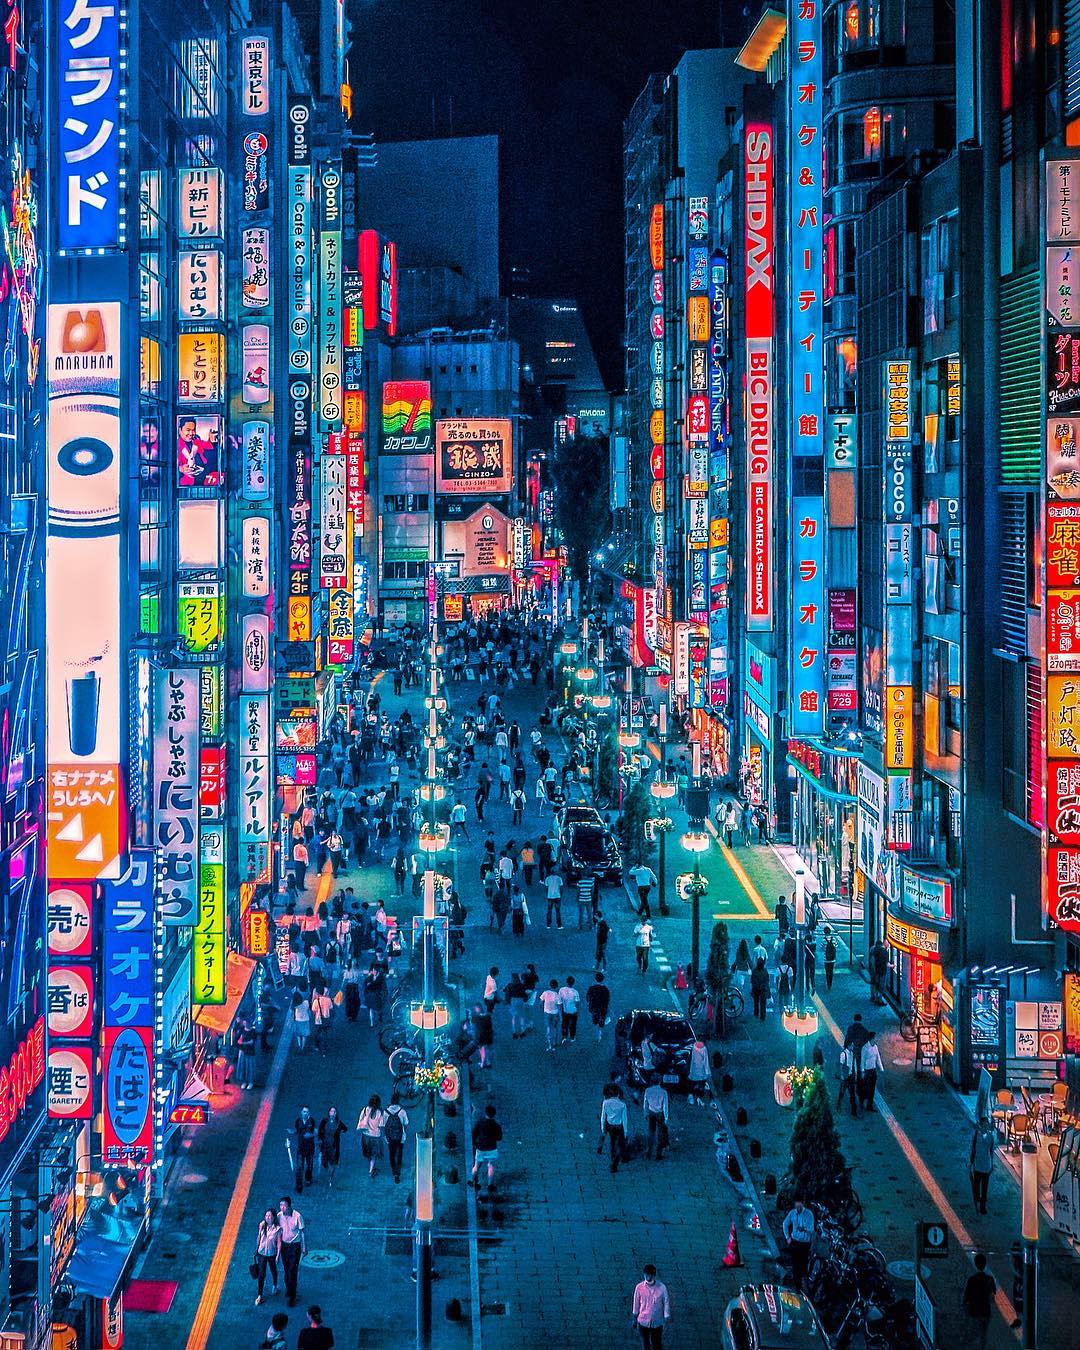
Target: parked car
[(590, 849), (576, 813), (772, 1317), (653, 1040)]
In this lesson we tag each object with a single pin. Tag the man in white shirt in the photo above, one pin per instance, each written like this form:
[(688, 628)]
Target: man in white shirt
[(569, 1002), (643, 935), (457, 821), (651, 1309), (552, 1009), (869, 1067), (613, 1124), (644, 880), (654, 1103), (553, 884), (293, 1245), (502, 743), (799, 1232)]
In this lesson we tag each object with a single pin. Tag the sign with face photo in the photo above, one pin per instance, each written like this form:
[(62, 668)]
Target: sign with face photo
[(198, 451)]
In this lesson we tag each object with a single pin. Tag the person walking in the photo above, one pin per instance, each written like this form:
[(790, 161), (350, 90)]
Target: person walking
[(519, 911), (553, 883), (483, 1033), (699, 1075), (654, 1103), (304, 1130), (569, 1004), (846, 1071), (293, 1245), (598, 1000), (651, 1309), (551, 1006), (643, 936), (983, 1149), (783, 917), (516, 996), (315, 1336), (394, 1132), (301, 1011), (731, 824), (978, 1299), (486, 1136), (870, 1066), (322, 1010), (741, 968), (267, 1252), (370, 1127), (331, 1128), (528, 861), (759, 988), (603, 932), (613, 1124), (399, 867), (878, 964), (350, 984), (300, 858), (275, 1333), (644, 879), (491, 988), (245, 1057), (586, 894), (830, 957), (545, 857), (799, 1232)]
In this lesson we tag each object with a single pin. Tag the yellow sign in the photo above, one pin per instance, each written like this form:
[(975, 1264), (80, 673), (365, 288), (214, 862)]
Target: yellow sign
[(656, 427), (909, 937), (201, 614), (656, 495), (453, 608), (1063, 716), (697, 318), (201, 368), (898, 400), (208, 952), (899, 727), (299, 618), (718, 532)]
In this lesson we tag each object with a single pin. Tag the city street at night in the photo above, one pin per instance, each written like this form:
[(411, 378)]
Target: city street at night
[(540, 675)]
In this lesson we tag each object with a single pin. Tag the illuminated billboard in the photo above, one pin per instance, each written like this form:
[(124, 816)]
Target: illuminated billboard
[(176, 806), (83, 590), (759, 240), (406, 417), (201, 366), (474, 455), (90, 101), (199, 458)]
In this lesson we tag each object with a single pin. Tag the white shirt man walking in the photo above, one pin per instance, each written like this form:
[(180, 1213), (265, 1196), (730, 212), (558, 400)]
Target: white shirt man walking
[(651, 1309)]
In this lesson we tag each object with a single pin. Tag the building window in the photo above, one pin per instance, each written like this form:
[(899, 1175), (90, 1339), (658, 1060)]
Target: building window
[(406, 503), (404, 571), (940, 265)]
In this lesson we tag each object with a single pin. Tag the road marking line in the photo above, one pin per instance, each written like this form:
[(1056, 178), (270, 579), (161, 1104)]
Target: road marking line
[(740, 875), (206, 1312), (922, 1172)]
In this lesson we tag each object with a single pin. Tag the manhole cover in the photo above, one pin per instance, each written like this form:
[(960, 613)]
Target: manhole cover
[(904, 1271), (194, 1178), (903, 1061), (322, 1258)]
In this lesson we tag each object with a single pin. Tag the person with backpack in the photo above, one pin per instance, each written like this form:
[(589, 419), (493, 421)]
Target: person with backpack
[(394, 1131), (830, 957), (322, 1010), (848, 1063)]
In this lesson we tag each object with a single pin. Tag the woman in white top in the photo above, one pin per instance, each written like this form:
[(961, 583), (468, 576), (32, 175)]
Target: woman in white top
[(301, 1012), (267, 1251), (371, 1124)]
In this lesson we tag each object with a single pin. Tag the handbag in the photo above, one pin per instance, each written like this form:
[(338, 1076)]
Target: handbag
[(253, 1270)]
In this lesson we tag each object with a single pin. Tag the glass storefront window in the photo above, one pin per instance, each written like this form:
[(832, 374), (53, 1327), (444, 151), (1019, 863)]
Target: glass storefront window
[(840, 258), (841, 368), (865, 139)]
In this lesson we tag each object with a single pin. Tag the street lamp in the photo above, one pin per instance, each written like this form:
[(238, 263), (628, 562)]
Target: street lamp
[(1029, 1230), (692, 886), (800, 1020), (662, 790)]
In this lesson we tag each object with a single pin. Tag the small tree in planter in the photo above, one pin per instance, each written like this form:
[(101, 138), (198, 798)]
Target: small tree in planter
[(718, 973), (607, 765), (817, 1171), (635, 813)]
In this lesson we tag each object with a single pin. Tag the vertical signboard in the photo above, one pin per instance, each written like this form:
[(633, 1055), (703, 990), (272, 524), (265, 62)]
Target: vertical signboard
[(208, 958), (330, 282), (176, 806), (657, 434), (256, 793), (806, 81), (899, 710), (83, 590), (299, 269), (759, 245), (807, 617), (716, 579), (128, 1015), (1060, 815), (91, 75), (332, 522)]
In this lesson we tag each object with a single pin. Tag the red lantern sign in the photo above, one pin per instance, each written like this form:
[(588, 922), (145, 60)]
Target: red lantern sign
[(257, 932)]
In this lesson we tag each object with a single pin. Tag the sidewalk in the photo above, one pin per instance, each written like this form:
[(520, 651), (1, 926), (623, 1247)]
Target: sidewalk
[(910, 1158)]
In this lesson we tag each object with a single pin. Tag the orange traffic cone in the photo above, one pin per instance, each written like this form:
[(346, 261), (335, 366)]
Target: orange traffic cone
[(732, 1256), (680, 978)]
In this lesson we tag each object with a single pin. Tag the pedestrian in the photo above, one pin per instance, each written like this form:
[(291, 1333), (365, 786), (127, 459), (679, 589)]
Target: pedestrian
[(374, 992), (301, 1011), (399, 868), (315, 1336), (552, 1009), (598, 1000), (545, 857), (516, 995), (322, 1010), (336, 848), (458, 827), (267, 1252), (759, 988), (293, 1245), (484, 1033), (394, 1132), (331, 1128), (613, 1124), (518, 803), (569, 1003), (643, 936), (370, 1126), (830, 957), (651, 1309), (479, 798), (603, 932), (747, 821), (300, 864), (983, 1148), (978, 1299), (878, 963), (491, 988), (486, 1136), (553, 883), (869, 1067), (644, 879), (304, 1130), (350, 983), (519, 912), (586, 892), (783, 917), (741, 968), (731, 822), (275, 1332), (799, 1232), (528, 861), (699, 1075), (245, 1057), (654, 1103), (846, 1071)]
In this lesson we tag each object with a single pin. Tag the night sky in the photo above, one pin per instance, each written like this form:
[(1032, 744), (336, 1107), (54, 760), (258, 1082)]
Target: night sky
[(554, 80)]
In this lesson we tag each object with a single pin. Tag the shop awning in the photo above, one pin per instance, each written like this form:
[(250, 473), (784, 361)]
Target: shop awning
[(104, 1250), (219, 1017), (844, 798)]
